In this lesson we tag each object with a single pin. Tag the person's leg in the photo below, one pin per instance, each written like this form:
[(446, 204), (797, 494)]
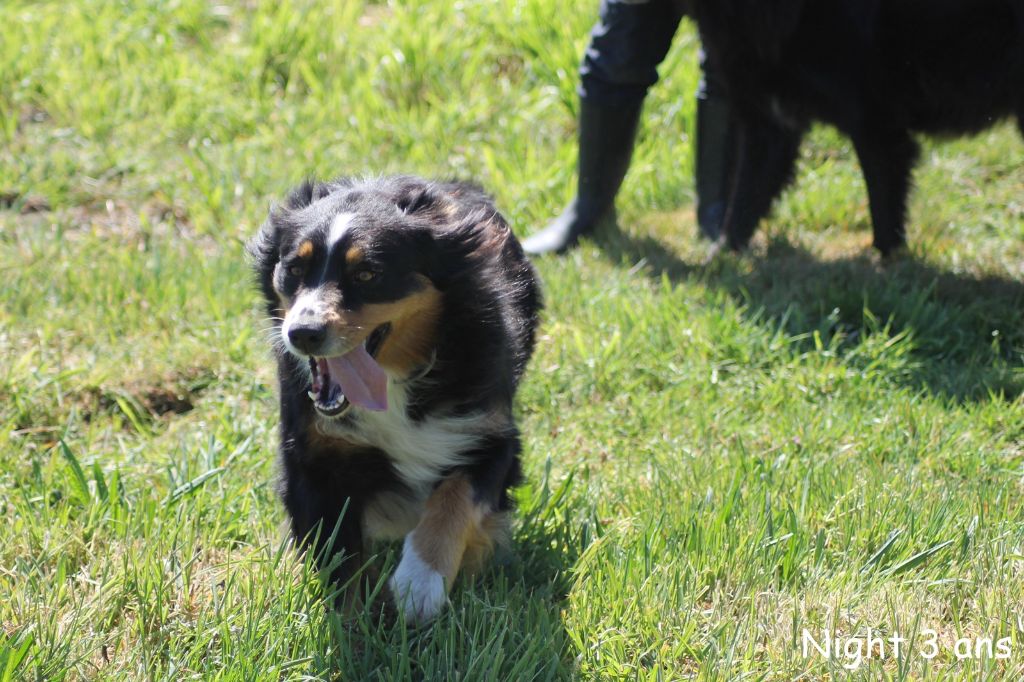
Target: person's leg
[(626, 45), (715, 150)]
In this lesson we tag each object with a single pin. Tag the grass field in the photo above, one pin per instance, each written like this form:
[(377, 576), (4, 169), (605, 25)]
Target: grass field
[(719, 457)]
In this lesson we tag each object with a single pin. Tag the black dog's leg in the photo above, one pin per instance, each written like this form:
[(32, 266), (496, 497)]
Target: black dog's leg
[(765, 158), (886, 159), (460, 523)]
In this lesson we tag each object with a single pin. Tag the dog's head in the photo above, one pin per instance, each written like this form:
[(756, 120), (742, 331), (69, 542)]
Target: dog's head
[(349, 271)]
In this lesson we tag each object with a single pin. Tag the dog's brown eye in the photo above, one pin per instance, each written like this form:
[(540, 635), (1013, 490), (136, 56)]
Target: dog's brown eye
[(364, 276), (296, 270)]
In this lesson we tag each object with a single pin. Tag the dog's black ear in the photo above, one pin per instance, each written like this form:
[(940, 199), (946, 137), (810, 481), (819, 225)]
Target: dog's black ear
[(265, 245), (461, 248), (301, 196), (308, 191), (264, 252), (415, 196), (416, 199), (263, 248)]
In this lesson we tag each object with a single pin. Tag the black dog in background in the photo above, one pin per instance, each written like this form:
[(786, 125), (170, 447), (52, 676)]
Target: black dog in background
[(878, 70)]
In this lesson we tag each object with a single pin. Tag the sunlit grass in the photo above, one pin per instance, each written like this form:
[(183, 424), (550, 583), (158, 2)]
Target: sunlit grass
[(718, 456)]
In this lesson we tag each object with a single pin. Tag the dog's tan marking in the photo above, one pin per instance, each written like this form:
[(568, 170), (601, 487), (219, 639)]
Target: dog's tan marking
[(413, 325), (354, 255), (495, 530), (412, 338), (452, 527), (305, 250)]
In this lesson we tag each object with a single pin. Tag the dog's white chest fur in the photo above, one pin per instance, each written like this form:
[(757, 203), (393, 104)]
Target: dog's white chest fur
[(419, 451)]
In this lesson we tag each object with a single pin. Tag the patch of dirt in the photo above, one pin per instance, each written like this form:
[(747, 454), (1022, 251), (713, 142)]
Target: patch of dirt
[(35, 204), (30, 203), (160, 401), (172, 394), (32, 114), (114, 218), (133, 224)]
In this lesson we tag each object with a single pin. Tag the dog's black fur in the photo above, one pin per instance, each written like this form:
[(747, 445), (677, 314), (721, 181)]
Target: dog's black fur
[(878, 70), (453, 303)]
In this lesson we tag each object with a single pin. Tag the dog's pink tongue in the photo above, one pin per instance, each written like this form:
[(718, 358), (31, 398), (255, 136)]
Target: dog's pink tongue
[(362, 380)]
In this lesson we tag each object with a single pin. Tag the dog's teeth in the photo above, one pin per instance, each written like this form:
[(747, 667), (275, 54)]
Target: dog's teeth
[(312, 395)]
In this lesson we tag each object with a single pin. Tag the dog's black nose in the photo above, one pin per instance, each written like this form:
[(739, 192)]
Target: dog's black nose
[(307, 337)]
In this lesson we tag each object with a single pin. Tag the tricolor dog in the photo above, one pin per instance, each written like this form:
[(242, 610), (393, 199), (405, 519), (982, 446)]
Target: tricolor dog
[(404, 314)]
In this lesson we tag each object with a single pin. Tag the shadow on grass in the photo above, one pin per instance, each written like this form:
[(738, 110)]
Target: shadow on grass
[(966, 332)]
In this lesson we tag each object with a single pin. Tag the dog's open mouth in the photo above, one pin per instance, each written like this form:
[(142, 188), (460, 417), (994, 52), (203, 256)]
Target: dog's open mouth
[(354, 378)]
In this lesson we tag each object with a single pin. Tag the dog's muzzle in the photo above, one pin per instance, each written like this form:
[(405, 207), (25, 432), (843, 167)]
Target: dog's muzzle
[(354, 378)]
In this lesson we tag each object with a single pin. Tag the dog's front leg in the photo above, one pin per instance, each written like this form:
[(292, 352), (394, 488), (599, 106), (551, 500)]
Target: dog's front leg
[(765, 158), (887, 159), (433, 551)]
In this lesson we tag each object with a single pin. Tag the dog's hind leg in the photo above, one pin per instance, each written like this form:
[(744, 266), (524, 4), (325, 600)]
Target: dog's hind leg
[(886, 160), (765, 158)]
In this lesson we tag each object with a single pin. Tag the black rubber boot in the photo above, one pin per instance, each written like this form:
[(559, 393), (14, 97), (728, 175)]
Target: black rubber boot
[(606, 137), (713, 163)]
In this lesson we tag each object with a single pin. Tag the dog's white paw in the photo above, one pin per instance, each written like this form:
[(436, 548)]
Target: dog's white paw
[(417, 588)]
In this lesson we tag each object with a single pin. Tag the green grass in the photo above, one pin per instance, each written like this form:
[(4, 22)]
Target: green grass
[(718, 456)]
